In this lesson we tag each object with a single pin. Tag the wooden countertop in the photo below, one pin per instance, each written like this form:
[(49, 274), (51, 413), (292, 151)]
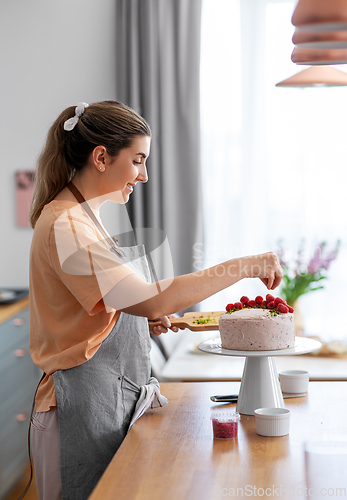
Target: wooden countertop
[(7, 311), (170, 452)]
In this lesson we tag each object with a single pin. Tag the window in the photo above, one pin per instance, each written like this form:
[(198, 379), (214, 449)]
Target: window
[(274, 159)]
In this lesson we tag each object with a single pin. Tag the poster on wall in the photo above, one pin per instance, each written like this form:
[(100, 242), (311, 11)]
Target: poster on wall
[(24, 194)]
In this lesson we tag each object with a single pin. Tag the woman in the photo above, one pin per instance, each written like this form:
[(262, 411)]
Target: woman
[(91, 300)]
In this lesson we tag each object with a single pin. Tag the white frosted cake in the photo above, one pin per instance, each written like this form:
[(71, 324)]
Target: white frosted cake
[(257, 328)]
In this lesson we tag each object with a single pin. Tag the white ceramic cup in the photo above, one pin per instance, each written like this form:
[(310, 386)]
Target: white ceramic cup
[(294, 381), (272, 421)]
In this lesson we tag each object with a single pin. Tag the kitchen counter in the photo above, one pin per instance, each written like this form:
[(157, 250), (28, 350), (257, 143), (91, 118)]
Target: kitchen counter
[(7, 311), (170, 452)]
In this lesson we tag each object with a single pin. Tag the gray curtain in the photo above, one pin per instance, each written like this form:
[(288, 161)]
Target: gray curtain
[(158, 66)]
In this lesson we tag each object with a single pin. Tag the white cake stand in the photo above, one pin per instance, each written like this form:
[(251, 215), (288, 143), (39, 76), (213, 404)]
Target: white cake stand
[(260, 387)]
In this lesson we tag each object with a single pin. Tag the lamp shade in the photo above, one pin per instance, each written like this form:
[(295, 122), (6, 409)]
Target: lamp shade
[(311, 57), (320, 15), (304, 39), (316, 76)]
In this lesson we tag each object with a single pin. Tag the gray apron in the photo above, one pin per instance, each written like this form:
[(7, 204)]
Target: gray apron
[(96, 400)]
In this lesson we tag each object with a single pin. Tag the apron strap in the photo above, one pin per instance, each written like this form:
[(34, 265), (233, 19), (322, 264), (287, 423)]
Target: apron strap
[(29, 451), (90, 212)]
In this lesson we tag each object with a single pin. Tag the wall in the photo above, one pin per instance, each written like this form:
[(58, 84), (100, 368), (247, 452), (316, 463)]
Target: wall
[(53, 54)]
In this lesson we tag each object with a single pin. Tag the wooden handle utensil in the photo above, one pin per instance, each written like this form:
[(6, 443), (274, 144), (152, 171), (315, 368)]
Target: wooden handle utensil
[(194, 321)]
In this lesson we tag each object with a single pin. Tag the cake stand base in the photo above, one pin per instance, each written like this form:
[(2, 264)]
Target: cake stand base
[(260, 387)]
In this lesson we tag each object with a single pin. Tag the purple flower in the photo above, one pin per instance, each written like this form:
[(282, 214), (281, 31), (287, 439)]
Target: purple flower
[(319, 261), (327, 261), (316, 263)]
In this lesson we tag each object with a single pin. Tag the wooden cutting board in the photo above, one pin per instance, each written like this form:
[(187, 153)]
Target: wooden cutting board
[(191, 320)]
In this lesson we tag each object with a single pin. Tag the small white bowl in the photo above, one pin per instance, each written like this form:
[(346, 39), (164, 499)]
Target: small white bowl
[(294, 381), (272, 421)]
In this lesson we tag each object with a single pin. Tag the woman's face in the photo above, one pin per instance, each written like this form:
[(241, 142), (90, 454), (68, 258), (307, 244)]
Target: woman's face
[(129, 167)]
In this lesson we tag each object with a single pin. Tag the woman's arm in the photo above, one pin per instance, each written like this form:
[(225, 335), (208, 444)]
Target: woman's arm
[(134, 296)]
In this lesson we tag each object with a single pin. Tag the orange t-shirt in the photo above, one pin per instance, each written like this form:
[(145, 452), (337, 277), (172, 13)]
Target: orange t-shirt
[(71, 270)]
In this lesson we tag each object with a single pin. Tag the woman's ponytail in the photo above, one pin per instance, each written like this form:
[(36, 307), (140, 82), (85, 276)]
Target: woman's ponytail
[(53, 172)]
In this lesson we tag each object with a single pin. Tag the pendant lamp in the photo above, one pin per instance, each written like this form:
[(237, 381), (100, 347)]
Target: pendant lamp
[(315, 56), (304, 39), (320, 37), (320, 15), (316, 76)]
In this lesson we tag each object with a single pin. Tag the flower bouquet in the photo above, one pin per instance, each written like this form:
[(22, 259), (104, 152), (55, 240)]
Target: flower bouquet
[(300, 278)]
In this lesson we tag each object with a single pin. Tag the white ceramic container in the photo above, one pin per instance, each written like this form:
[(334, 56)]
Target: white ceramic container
[(294, 381), (272, 421)]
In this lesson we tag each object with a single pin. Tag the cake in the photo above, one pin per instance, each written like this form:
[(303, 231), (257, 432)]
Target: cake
[(257, 325)]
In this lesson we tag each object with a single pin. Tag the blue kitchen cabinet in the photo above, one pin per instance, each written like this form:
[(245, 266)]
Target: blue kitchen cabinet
[(18, 380)]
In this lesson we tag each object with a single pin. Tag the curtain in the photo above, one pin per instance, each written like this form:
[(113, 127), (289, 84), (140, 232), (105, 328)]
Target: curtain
[(274, 159), (158, 75)]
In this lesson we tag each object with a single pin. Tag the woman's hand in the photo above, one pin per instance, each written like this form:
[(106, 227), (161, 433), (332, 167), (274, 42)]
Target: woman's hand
[(166, 323), (266, 267)]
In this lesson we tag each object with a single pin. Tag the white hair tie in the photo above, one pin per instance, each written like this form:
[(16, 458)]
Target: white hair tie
[(71, 122)]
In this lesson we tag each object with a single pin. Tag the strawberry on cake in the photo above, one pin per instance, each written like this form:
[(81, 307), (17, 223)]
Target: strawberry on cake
[(257, 325)]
